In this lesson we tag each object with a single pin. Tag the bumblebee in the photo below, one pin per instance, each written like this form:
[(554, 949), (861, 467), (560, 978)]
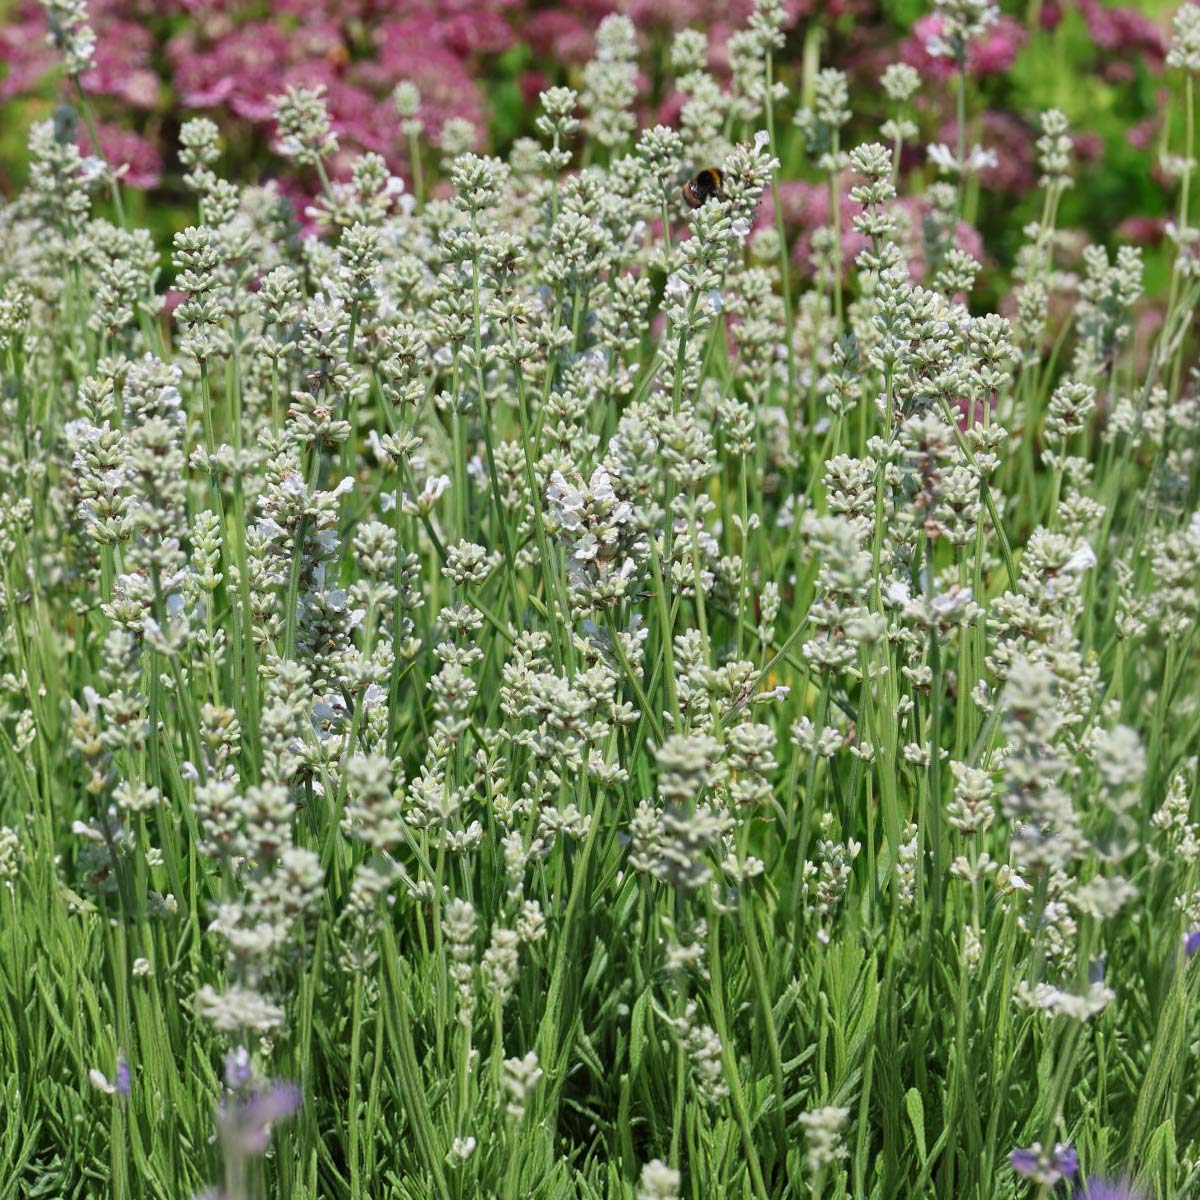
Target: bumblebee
[(703, 187)]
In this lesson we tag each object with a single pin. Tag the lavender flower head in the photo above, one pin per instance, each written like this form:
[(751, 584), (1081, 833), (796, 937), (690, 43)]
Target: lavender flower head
[(1046, 1167), (121, 1085), (237, 1069), (123, 1081), (1191, 942), (245, 1122), (1109, 1189)]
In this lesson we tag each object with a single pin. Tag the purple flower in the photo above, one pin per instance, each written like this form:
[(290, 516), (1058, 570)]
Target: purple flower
[(1065, 1160), (237, 1069), (120, 1085), (1024, 1162), (1109, 1189), (245, 1122), (1191, 942), (1046, 1167)]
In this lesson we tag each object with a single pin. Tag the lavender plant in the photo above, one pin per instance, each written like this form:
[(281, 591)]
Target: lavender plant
[(515, 692)]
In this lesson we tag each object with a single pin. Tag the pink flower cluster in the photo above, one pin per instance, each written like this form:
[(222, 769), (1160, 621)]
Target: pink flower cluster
[(139, 160), (153, 56), (357, 49), (23, 51), (992, 54), (158, 61), (158, 58), (1123, 36)]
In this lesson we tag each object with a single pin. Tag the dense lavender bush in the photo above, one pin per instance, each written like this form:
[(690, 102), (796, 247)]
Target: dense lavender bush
[(549, 683), (479, 65)]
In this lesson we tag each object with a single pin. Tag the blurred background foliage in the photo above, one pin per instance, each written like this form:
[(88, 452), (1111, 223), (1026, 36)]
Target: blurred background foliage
[(484, 61)]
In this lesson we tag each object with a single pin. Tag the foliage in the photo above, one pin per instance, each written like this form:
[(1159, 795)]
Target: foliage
[(528, 686)]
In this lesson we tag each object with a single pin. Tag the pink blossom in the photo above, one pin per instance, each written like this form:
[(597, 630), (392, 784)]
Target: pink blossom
[(208, 8), (122, 62), (670, 108), (363, 122), (997, 50), (1142, 231), (1050, 16), (475, 33), (805, 205), (24, 52), (1087, 147), (342, 11), (1142, 135), (318, 39), (121, 66), (466, 27), (563, 36), (836, 9), (914, 50), (992, 54), (122, 148), (241, 69), (533, 84), (1013, 173), (1124, 32), (445, 81)]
